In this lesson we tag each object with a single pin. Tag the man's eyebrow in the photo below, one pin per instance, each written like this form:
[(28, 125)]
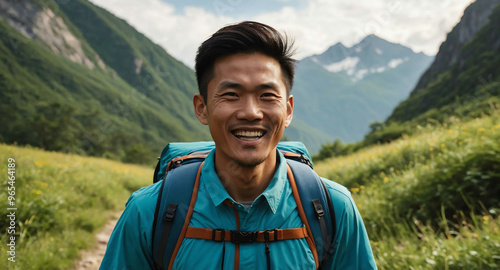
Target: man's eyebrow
[(235, 85), (229, 84), (269, 85)]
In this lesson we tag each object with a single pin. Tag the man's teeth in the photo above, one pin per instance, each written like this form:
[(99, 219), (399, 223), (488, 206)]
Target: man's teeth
[(248, 134)]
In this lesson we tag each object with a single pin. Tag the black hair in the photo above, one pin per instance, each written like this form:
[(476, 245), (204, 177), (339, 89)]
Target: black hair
[(245, 37)]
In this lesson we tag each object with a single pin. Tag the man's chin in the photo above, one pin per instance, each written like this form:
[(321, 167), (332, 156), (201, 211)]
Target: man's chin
[(248, 163)]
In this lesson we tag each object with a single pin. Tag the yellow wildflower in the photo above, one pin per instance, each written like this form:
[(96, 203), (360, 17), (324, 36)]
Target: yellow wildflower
[(475, 235), (386, 179), (354, 190), (480, 129), (362, 187)]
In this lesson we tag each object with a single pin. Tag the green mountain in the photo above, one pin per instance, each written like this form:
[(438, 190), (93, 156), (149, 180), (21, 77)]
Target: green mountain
[(463, 79), (340, 92), (75, 78)]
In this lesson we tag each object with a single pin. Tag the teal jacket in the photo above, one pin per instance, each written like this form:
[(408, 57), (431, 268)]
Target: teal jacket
[(130, 244)]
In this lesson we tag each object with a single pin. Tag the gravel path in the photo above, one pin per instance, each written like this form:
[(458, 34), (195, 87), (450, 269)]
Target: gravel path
[(91, 259)]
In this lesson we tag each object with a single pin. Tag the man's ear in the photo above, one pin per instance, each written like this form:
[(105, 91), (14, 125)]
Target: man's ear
[(200, 109), (289, 111)]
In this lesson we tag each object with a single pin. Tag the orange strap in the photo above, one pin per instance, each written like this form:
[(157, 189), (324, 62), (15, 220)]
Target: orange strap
[(201, 155), (302, 215), (291, 154), (274, 235)]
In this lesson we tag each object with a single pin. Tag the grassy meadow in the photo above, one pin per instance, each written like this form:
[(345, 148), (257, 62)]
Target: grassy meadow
[(62, 201), (430, 201)]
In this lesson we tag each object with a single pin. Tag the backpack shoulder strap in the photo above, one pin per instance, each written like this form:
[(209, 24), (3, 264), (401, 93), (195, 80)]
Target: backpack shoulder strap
[(315, 208), (173, 212)]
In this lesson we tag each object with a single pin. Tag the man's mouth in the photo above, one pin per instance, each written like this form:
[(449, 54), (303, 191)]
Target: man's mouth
[(249, 135)]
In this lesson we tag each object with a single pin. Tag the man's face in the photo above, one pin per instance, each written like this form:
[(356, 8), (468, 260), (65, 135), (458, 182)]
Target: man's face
[(247, 108)]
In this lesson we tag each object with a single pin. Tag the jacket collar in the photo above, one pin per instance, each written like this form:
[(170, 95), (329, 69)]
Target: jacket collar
[(218, 193)]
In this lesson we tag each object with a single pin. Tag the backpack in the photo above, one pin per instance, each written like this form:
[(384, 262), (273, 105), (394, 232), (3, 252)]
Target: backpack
[(179, 168)]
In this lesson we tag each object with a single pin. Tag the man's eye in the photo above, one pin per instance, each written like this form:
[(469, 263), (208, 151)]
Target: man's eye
[(269, 95), (230, 94)]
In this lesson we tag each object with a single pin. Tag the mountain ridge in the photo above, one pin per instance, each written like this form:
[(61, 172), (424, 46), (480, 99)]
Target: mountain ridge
[(342, 90), (339, 58), (459, 75), (463, 32), (127, 114), (144, 94)]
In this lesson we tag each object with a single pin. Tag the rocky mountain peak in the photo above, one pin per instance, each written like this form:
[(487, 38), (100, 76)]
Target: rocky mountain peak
[(475, 17), (43, 25), (371, 55)]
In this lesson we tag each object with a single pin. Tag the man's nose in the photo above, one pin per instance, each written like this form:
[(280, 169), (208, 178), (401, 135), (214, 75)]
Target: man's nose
[(250, 110)]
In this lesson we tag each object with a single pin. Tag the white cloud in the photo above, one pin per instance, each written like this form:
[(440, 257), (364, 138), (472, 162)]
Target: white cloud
[(419, 24), (180, 35)]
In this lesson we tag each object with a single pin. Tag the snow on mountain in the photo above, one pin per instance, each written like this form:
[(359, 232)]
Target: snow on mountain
[(344, 89), (371, 55), (347, 65)]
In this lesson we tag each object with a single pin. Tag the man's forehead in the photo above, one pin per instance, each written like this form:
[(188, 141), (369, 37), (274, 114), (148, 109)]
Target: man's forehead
[(247, 65)]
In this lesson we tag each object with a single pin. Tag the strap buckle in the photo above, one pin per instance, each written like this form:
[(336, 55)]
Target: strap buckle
[(222, 233), (266, 235), (238, 237), (318, 208), (170, 214)]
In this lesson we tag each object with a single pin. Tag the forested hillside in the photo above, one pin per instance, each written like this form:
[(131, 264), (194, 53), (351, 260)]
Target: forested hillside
[(75, 78)]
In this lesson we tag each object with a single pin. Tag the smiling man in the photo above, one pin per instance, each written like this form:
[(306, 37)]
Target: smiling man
[(245, 75), (247, 107)]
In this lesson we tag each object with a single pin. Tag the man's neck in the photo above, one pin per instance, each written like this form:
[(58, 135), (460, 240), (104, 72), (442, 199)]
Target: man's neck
[(244, 183)]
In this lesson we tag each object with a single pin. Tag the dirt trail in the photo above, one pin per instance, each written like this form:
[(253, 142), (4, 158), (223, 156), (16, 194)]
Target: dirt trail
[(91, 259)]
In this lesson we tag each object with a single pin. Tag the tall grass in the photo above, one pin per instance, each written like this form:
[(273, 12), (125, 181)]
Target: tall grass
[(61, 201), (429, 201)]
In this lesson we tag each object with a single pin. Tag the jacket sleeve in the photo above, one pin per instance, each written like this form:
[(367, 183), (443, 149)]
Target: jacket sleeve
[(129, 246), (351, 248)]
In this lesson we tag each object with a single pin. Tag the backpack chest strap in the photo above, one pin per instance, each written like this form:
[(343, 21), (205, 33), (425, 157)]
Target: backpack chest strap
[(238, 237)]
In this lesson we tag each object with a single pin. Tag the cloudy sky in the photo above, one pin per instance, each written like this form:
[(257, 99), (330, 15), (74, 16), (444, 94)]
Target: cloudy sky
[(180, 26)]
